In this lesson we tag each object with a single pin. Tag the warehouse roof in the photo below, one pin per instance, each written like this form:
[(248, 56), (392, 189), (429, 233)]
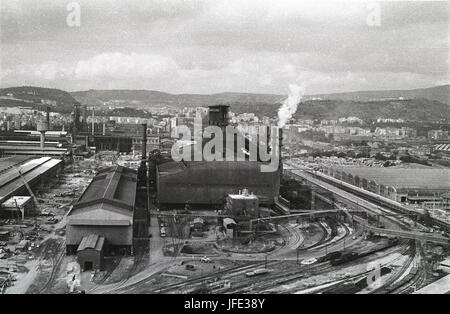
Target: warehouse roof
[(404, 178), (11, 181), (92, 241), (114, 185), (108, 200), (8, 162)]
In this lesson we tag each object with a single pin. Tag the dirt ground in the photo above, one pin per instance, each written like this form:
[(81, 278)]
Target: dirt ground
[(40, 267)]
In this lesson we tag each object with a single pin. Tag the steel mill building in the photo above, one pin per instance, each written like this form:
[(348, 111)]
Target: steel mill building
[(105, 209), (399, 184), (209, 182)]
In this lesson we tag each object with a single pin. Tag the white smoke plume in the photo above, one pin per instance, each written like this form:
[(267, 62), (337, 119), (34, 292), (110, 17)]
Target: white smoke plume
[(289, 105)]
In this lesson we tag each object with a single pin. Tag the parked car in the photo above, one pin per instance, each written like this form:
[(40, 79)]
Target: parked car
[(190, 267), (205, 259), (52, 221), (47, 212)]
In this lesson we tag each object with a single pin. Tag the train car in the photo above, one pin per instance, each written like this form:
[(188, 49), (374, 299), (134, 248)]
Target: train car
[(344, 258), (257, 272)]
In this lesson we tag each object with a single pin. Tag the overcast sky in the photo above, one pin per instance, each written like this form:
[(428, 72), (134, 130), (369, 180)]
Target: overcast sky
[(217, 45)]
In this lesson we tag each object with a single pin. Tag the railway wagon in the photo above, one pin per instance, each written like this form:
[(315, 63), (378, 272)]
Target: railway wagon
[(344, 258)]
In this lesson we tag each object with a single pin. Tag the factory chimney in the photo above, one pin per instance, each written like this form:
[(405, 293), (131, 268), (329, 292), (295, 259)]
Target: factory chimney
[(85, 125), (144, 141), (142, 170), (280, 145), (47, 113), (93, 120), (76, 121)]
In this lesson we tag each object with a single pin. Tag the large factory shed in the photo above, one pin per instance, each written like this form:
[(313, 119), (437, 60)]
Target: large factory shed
[(105, 208), (399, 184), (209, 183), (15, 171)]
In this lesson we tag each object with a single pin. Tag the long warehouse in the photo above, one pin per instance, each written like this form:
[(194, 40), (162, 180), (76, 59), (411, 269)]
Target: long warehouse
[(17, 170), (105, 208)]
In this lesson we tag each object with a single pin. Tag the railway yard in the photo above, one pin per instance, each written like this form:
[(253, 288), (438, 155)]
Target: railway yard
[(318, 251)]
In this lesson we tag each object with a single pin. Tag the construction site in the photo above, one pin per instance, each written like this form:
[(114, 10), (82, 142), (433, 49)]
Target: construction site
[(113, 223)]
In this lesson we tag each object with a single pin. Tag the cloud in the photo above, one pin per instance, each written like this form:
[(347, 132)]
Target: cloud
[(212, 46), (122, 66)]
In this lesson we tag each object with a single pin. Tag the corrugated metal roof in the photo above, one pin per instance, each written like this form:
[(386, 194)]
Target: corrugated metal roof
[(404, 178), (108, 200), (11, 181), (92, 241), (116, 185)]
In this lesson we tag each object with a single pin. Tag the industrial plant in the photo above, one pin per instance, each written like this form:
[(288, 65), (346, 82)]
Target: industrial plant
[(206, 148)]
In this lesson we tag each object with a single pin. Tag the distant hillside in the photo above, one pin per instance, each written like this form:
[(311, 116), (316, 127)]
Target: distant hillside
[(30, 96), (149, 97), (420, 104), (408, 109), (439, 93)]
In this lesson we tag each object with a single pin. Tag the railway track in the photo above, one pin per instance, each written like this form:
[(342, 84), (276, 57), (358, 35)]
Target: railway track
[(56, 261), (222, 274), (390, 285), (110, 271), (349, 284)]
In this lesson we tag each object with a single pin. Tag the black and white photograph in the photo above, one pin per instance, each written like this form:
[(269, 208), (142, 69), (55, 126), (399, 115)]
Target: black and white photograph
[(224, 152)]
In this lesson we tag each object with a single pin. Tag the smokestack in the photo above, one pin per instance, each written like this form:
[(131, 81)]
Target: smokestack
[(48, 116), (93, 120), (280, 143), (144, 141), (280, 140), (104, 129), (76, 121), (85, 125)]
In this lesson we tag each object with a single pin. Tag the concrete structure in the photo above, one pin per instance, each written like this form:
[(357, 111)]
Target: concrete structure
[(242, 204), (398, 184), (90, 252), (105, 208)]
